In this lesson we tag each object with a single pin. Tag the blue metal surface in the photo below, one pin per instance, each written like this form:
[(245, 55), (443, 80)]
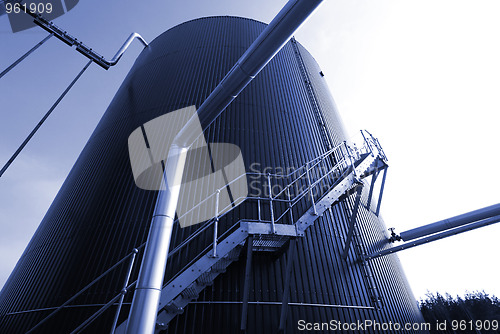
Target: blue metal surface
[(99, 214)]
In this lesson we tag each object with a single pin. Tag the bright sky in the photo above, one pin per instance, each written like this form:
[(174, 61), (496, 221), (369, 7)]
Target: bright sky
[(422, 76)]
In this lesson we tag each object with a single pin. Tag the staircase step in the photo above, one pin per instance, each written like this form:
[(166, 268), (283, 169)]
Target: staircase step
[(191, 292), (207, 278), (269, 243)]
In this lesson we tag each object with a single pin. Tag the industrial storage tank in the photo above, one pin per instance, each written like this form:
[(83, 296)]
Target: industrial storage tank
[(284, 119)]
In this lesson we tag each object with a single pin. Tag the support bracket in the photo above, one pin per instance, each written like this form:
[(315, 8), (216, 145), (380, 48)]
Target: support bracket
[(246, 286)]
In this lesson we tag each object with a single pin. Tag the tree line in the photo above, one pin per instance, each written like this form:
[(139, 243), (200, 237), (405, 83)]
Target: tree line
[(476, 312)]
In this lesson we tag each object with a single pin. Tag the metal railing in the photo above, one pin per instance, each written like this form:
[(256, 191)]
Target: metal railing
[(305, 186), (131, 256), (349, 155)]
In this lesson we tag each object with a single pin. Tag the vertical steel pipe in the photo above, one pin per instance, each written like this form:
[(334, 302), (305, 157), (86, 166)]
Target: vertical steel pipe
[(146, 298), (309, 186), (150, 282)]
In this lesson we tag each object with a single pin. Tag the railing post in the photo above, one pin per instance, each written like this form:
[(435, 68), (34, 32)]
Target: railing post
[(309, 185), (289, 204), (380, 149), (124, 291), (349, 156), (258, 210), (273, 228), (75, 296), (345, 156), (216, 222), (367, 143)]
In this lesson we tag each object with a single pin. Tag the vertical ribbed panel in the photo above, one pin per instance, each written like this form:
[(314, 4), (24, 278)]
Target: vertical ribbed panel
[(99, 214)]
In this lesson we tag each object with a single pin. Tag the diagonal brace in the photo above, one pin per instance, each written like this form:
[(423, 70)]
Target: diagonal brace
[(372, 185), (352, 222), (377, 212)]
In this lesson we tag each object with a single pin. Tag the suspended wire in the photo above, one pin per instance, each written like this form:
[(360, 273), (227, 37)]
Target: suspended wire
[(25, 55), (43, 119)]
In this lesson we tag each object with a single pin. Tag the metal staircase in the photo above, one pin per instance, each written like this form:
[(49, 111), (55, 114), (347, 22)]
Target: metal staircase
[(351, 165), (305, 193)]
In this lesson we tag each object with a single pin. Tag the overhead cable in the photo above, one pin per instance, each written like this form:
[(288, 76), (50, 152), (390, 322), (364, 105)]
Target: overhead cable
[(4, 168)]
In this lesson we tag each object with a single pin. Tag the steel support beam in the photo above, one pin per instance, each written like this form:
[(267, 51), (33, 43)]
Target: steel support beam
[(62, 35), (124, 290), (377, 212), (286, 287), (246, 286), (372, 185), (352, 222)]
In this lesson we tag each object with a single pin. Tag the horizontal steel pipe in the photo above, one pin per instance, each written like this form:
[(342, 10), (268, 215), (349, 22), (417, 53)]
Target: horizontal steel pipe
[(458, 230), (452, 222)]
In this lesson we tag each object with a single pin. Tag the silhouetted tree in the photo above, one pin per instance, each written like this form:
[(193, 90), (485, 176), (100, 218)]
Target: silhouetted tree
[(476, 312)]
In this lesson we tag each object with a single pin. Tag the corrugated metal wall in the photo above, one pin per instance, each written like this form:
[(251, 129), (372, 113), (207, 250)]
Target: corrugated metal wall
[(99, 214)]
